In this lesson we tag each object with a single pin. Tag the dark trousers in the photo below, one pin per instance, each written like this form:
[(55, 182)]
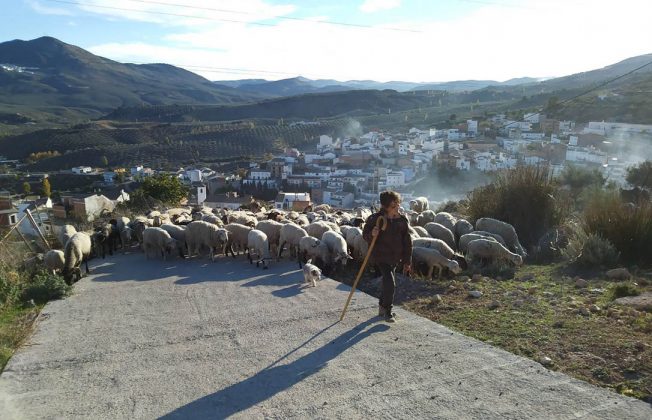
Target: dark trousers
[(389, 284)]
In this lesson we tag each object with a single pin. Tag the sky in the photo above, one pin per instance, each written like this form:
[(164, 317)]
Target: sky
[(382, 40)]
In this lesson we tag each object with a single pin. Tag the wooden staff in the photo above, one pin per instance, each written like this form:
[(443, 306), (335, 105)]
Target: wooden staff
[(380, 221)]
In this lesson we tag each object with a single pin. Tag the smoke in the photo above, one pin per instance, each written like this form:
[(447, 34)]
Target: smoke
[(442, 185), (352, 128)]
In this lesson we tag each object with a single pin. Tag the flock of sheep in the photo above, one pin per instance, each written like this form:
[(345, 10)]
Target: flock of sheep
[(323, 238)]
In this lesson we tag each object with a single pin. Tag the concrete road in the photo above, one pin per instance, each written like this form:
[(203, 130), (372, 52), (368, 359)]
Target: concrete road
[(194, 339)]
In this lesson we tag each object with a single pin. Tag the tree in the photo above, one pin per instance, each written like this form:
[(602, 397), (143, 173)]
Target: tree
[(45, 187), (553, 104), (104, 161), (26, 188), (165, 188), (578, 178), (641, 175)]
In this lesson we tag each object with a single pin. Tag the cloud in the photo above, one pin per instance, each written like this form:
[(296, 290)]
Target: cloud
[(47, 10), (543, 38), (371, 6)]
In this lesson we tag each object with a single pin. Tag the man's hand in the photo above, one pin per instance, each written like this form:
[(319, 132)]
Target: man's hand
[(375, 231), (407, 269)]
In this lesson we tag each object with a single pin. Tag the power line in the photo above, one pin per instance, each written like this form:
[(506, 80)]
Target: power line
[(77, 3)]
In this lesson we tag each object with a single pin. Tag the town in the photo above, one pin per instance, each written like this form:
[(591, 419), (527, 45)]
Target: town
[(349, 172)]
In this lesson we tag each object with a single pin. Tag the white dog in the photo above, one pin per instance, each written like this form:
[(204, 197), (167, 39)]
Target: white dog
[(311, 273)]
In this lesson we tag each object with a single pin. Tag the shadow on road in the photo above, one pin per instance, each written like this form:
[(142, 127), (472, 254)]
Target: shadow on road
[(273, 379)]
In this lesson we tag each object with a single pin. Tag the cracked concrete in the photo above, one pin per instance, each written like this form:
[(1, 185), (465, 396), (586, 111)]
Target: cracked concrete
[(195, 339)]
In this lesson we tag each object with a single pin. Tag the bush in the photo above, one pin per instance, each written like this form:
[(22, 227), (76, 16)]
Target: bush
[(578, 178), (622, 290), (589, 250), (44, 287), (10, 282), (526, 197), (628, 228)]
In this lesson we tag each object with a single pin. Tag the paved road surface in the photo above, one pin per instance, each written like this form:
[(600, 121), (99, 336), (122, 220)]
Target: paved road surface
[(194, 339)]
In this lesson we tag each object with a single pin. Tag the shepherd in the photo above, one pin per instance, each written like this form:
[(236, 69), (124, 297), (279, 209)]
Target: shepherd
[(393, 248)]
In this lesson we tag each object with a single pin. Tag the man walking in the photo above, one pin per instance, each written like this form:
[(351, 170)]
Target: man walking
[(393, 248)]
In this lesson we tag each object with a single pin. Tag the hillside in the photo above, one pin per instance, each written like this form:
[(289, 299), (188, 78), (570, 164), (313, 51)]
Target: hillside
[(160, 145), (48, 79)]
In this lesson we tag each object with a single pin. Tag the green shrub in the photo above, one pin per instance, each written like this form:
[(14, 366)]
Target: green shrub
[(629, 229), (589, 249), (526, 197), (43, 287), (622, 290), (10, 285)]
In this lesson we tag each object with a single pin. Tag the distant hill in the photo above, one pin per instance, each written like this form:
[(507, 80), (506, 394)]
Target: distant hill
[(47, 76)]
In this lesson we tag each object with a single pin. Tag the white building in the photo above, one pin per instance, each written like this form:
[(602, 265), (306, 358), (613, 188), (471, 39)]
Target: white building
[(533, 136), (395, 179), (582, 154), (533, 118), (80, 170), (286, 200), (572, 140), (471, 128), (325, 142), (193, 175)]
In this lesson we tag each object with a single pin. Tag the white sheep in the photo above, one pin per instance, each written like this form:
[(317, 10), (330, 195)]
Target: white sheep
[(77, 250), (66, 233), (423, 233), (238, 236), (211, 218), (272, 229), (419, 204), (360, 248), (54, 260), (432, 258), (242, 218), (290, 234), (487, 249), (200, 233), (446, 219), (462, 227), (428, 216), (258, 243), (317, 229), (178, 233), (155, 238), (313, 249), (505, 230), (437, 244), (438, 231), (122, 222), (311, 273), (362, 213), (337, 246), (465, 239), (350, 236)]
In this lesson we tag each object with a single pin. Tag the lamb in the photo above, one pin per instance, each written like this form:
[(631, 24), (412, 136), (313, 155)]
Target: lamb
[(54, 260), (242, 218), (272, 229), (125, 236), (350, 236), (317, 229), (426, 217), (432, 258), (238, 234), (159, 240), (122, 222), (311, 273), (258, 243), (66, 233), (465, 239), (419, 204), (437, 244), (322, 207), (491, 250), (413, 233), (362, 213), (200, 233), (138, 225), (446, 219), (503, 229), (337, 246), (178, 233), (290, 234), (105, 237), (441, 232), (77, 250)]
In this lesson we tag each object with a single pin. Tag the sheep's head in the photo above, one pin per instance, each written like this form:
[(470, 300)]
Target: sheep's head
[(342, 257), (516, 259), (454, 267), (171, 244)]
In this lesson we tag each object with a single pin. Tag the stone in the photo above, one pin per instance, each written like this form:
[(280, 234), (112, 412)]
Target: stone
[(619, 274), (545, 361), (584, 311), (464, 278), (475, 294), (581, 283), (493, 305), (642, 302), (527, 277), (594, 308), (548, 294), (477, 278), (532, 290), (437, 299)]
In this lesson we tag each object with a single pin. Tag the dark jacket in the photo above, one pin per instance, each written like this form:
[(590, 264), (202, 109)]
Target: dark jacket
[(394, 244)]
